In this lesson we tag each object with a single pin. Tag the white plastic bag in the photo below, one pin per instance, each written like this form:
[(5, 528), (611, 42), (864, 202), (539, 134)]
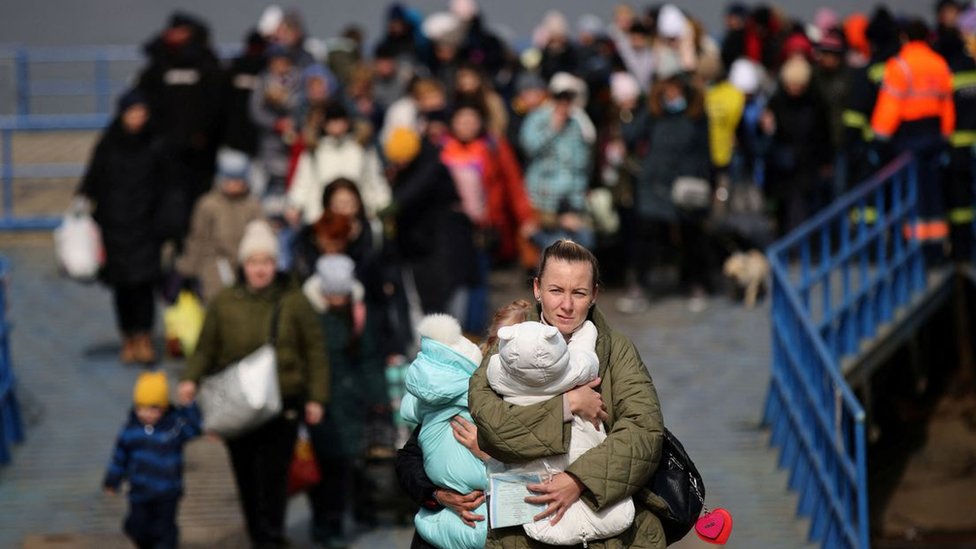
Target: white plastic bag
[(243, 396), (78, 244), (691, 193)]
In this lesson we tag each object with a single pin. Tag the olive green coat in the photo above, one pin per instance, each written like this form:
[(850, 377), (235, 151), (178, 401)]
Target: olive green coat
[(617, 468), (238, 321)]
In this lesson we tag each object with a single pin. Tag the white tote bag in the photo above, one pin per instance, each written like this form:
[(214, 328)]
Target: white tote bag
[(245, 395)]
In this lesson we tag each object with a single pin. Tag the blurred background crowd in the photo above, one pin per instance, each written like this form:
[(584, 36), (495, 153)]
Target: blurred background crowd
[(396, 174), (441, 151)]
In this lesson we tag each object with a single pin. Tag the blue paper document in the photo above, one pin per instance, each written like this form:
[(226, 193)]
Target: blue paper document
[(506, 500)]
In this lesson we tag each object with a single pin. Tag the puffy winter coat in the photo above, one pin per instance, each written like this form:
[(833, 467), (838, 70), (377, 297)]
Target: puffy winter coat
[(678, 147), (437, 390), (432, 236), (238, 81), (615, 469), (506, 202), (123, 180), (238, 321), (216, 229), (331, 159), (356, 374), (558, 162), (267, 113), (150, 457)]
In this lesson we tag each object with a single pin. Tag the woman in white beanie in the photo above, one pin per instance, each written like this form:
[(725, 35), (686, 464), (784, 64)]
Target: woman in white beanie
[(239, 320)]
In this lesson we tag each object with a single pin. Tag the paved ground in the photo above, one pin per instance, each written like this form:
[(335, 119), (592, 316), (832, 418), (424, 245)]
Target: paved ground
[(711, 371)]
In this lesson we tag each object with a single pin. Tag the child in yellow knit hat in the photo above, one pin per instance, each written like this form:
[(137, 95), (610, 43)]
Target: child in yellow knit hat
[(149, 454)]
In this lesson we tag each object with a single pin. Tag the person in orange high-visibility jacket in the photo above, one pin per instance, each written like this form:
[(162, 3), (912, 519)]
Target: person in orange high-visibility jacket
[(915, 112)]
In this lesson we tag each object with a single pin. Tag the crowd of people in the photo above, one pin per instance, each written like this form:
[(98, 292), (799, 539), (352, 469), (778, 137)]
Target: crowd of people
[(342, 191)]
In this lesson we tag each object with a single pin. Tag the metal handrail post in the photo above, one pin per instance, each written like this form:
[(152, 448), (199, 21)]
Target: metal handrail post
[(862, 482), (7, 157), (22, 64), (103, 84)]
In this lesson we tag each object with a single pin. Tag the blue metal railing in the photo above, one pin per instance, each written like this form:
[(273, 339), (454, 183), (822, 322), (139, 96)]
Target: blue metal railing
[(96, 82), (97, 73), (10, 171), (11, 427), (836, 280)]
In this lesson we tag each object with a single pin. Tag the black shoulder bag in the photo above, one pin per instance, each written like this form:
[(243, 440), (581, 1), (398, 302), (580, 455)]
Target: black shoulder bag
[(679, 485)]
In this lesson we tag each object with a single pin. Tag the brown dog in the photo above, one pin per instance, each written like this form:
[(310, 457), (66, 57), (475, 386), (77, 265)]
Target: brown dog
[(749, 270)]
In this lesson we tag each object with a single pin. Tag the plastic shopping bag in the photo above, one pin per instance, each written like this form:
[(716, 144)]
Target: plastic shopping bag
[(183, 321), (304, 472), (78, 244)]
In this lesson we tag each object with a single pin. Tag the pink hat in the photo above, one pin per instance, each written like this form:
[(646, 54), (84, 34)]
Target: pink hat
[(623, 87)]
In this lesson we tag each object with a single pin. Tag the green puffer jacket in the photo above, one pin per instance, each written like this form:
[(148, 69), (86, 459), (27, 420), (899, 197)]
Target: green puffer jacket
[(617, 468), (238, 321)]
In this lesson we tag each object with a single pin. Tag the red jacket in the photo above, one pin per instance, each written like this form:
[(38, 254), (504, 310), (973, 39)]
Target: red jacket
[(506, 204)]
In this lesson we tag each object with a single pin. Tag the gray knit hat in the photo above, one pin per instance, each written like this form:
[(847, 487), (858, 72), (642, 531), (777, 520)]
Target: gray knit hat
[(336, 274)]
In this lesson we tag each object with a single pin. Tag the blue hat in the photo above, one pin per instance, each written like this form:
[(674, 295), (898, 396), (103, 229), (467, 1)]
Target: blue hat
[(232, 164), (317, 71)]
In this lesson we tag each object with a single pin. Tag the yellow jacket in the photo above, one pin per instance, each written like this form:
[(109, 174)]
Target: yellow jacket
[(723, 104)]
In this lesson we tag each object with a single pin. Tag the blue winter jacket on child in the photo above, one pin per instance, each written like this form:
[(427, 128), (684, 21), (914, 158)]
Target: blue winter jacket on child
[(151, 456), (437, 390)]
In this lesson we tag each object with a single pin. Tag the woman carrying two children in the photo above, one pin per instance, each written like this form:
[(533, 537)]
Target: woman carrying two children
[(606, 477), (622, 397)]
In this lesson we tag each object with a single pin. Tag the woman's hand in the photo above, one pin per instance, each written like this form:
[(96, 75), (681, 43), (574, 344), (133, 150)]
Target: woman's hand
[(558, 494), (462, 504), (186, 391), (586, 402), (767, 122), (313, 413), (466, 433)]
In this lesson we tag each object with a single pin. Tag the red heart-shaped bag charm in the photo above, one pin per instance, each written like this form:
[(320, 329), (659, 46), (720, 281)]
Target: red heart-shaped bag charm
[(715, 526)]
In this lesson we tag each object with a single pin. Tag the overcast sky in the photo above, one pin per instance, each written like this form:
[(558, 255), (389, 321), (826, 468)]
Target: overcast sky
[(63, 22)]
